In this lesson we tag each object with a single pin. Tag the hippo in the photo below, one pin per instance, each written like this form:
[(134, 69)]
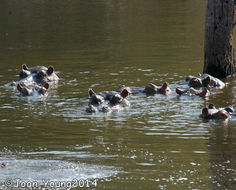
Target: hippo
[(204, 80), (3, 165), (40, 74), (107, 101), (218, 114), (193, 92), (149, 89), (35, 80), (31, 90)]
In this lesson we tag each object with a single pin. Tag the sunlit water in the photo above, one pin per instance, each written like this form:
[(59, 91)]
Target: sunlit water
[(158, 143)]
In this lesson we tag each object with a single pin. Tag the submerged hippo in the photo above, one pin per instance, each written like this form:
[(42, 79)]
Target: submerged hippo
[(204, 80), (149, 89), (32, 90), (107, 101), (40, 74), (193, 92), (35, 80), (213, 113), (3, 165)]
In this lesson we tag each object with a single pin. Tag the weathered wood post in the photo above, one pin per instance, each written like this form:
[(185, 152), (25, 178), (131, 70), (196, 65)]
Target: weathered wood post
[(219, 53)]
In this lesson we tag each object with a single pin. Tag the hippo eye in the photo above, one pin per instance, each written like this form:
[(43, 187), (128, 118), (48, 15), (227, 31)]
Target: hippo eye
[(99, 100), (24, 74), (96, 100), (41, 74), (194, 81), (116, 99)]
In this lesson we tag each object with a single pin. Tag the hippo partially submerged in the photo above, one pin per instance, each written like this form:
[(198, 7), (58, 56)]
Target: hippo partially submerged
[(3, 165), (35, 80), (107, 101), (211, 112), (204, 80), (149, 89), (193, 92)]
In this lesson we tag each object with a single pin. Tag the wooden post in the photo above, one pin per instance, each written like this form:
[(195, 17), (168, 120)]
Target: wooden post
[(219, 53)]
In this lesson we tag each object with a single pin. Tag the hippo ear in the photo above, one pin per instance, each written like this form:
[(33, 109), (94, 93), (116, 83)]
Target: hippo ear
[(164, 86), (24, 67), (120, 88), (229, 109), (208, 80), (91, 92), (46, 85), (50, 70), (179, 91), (205, 112), (124, 93), (211, 106), (204, 93)]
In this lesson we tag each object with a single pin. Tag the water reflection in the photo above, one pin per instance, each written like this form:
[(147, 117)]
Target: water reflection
[(222, 159), (159, 142)]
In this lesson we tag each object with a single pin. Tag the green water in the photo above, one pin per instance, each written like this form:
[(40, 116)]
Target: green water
[(157, 143)]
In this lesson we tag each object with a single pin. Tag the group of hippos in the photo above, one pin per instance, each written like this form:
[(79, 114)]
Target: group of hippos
[(38, 80)]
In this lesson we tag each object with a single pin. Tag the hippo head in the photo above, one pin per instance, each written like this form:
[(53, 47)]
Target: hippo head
[(95, 99), (152, 89), (221, 114), (119, 98), (193, 92), (195, 82), (40, 74), (212, 113), (3, 165)]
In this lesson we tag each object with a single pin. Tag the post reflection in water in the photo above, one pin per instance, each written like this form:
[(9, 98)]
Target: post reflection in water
[(222, 156)]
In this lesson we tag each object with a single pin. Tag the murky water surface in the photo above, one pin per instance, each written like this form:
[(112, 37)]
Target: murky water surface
[(158, 143)]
